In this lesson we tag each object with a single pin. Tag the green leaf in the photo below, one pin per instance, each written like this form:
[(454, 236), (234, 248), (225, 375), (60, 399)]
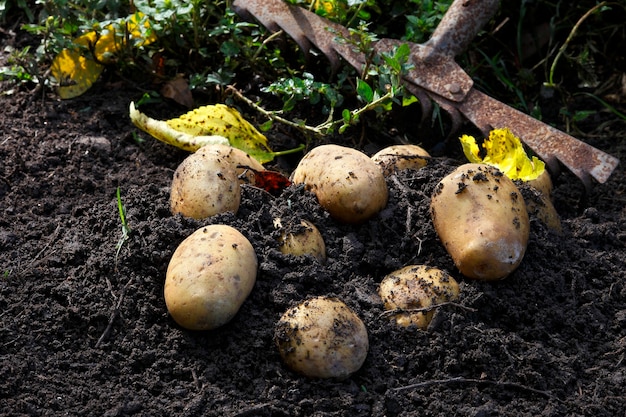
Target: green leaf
[(266, 126), (408, 100), (346, 115), (364, 90), (402, 53), (582, 115)]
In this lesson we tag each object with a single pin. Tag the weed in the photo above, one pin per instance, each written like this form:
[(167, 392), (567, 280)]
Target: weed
[(598, 7), (21, 68), (604, 104), (423, 18), (384, 73), (125, 228)]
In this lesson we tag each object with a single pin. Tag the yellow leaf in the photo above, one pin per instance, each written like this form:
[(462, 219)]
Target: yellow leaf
[(216, 123), (505, 151), (222, 120), (326, 5), (470, 149), (75, 73)]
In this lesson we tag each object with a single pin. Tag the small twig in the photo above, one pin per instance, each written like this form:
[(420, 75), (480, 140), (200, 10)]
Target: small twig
[(114, 314), (252, 410), (321, 129), (45, 248), (265, 42), (461, 380), (196, 380), (271, 114)]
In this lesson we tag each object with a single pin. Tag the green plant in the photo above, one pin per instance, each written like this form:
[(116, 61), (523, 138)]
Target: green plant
[(377, 89), (604, 6), (125, 228), (19, 68), (296, 89), (424, 17)]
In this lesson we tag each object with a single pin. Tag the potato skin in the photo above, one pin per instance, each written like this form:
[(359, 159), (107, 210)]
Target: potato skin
[(322, 338), (481, 219), (398, 157), (414, 287), (537, 194), (304, 239), (209, 276), (244, 164), (205, 184), (347, 183)]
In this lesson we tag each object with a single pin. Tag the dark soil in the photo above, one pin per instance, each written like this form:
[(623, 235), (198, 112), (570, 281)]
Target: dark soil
[(84, 334)]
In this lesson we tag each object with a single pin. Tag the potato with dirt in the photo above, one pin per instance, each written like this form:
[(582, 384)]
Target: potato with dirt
[(209, 277), (207, 182), (481, 219), (322, 338), (346, 182), (538, 196), (416, 287), (300, 239), (400, 157), (245, 165)]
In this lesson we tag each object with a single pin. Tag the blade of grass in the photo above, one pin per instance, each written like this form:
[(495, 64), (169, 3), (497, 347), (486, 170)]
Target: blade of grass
[(125, 228), (604, 103)]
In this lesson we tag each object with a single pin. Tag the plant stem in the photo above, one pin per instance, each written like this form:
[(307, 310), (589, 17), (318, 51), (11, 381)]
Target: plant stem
[(320, 129), (271, 114), (571, 35)]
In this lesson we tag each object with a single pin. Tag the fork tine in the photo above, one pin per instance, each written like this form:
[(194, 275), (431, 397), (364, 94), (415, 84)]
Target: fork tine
[(549, 143)]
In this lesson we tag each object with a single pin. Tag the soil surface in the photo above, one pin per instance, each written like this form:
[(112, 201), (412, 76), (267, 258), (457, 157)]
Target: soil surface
[(86, 333)]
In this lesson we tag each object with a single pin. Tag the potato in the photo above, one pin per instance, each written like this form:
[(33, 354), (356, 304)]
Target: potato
[(416, 287), (543, 183), (205, 184), (348, 184), (303, 239), (245, 165), (481, 219), (399, 157), (322, 338), (210, 275), (537, 196)]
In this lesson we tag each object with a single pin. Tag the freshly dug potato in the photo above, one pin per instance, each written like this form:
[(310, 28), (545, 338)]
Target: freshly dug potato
[(210, 275), (206, 183), (322, 338), (348, 184), (415, 287), (481, 219), (538, 200), (543, 183), (245, 165), (301, 239), (399, 157)]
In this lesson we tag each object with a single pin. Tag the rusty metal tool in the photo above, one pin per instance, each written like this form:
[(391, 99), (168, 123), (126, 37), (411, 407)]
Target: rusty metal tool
[(436, 76)]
